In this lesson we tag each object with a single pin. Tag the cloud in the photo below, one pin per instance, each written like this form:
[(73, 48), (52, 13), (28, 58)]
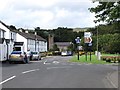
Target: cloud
[(47, 13)]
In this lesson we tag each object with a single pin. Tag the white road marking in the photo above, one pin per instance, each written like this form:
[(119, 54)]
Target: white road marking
[(56, 62), (30, 71), (7, 80), (45, 62), (111, 81)]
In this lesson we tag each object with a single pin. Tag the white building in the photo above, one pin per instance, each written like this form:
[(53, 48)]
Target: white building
[(31, 42), (8, 37), (2, 45)]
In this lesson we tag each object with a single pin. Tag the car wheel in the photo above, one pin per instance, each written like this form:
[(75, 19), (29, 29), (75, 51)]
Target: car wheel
[(24, 60), (28, 60), (39, 58)]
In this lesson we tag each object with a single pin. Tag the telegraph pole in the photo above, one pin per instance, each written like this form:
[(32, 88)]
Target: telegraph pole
[(35, 40), (97, 41)]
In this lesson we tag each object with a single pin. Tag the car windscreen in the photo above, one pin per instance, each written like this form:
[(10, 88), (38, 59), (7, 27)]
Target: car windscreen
[(34, 53), (16, 52), (17, 48)]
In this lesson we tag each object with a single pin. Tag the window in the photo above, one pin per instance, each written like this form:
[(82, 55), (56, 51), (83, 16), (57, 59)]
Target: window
[(11, 35)]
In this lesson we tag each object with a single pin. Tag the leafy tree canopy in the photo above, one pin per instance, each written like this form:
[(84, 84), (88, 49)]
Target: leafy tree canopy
[(107, 11)]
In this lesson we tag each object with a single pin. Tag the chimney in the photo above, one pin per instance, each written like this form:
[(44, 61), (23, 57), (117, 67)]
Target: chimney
[(51, 41), (20, 30), (35, 33), (26, 31)]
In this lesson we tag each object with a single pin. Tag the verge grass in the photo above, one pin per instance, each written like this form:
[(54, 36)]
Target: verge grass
[(82, 59)]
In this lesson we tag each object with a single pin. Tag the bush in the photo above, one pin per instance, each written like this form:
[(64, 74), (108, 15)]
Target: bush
[(56, 53), (43, 54), (49, 53)]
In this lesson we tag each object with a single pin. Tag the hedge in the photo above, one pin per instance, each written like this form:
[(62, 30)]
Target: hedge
[(111, 58)]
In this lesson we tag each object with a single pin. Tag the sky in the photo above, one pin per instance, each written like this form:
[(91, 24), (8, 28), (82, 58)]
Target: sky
[(47, 14)]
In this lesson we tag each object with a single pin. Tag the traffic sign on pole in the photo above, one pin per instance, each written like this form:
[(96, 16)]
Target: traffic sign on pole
[(78, 40), (88, 40)]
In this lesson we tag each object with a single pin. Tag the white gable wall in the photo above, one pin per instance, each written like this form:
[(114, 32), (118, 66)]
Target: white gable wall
[(20, 38), (8, 34), (7, 31)]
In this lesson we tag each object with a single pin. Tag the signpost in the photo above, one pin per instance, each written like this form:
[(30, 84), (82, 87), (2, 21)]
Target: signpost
[(88, 42), (78, 42)]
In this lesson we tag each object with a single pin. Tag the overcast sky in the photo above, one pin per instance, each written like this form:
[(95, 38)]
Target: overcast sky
[(47, 14)]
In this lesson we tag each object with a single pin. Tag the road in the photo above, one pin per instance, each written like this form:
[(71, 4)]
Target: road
[(56, 72)]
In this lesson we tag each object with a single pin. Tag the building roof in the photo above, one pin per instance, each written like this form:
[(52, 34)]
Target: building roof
[(26, 35), (8, 27), (62, 43), (2, 40), (2, 30), (31, 36)]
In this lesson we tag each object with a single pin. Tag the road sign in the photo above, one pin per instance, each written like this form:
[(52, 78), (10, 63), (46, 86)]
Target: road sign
[(80, 48), (87, 34), (88, 40), (78, 40)]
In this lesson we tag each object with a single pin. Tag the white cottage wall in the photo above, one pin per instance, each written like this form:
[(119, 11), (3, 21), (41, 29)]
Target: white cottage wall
[(20, 38)]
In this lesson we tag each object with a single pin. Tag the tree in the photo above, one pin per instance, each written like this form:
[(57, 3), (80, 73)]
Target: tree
[(55, 48), (108, 12), (12, 27)]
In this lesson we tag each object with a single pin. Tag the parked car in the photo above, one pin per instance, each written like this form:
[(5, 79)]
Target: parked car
[(64, 53), (35, 56), (16, 56), (69, 53)]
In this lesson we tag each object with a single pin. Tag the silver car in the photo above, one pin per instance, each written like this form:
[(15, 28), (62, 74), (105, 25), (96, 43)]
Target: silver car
[(16, 56), (35, 56)]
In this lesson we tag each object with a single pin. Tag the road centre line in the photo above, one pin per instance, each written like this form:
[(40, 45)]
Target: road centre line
[(30, 71), (7, 80)]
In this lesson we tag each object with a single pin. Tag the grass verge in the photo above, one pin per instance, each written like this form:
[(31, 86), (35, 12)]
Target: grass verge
[(83, 60)]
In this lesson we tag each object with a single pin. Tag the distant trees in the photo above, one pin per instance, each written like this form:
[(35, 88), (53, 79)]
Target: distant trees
[(61, 34), (12, 27)]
